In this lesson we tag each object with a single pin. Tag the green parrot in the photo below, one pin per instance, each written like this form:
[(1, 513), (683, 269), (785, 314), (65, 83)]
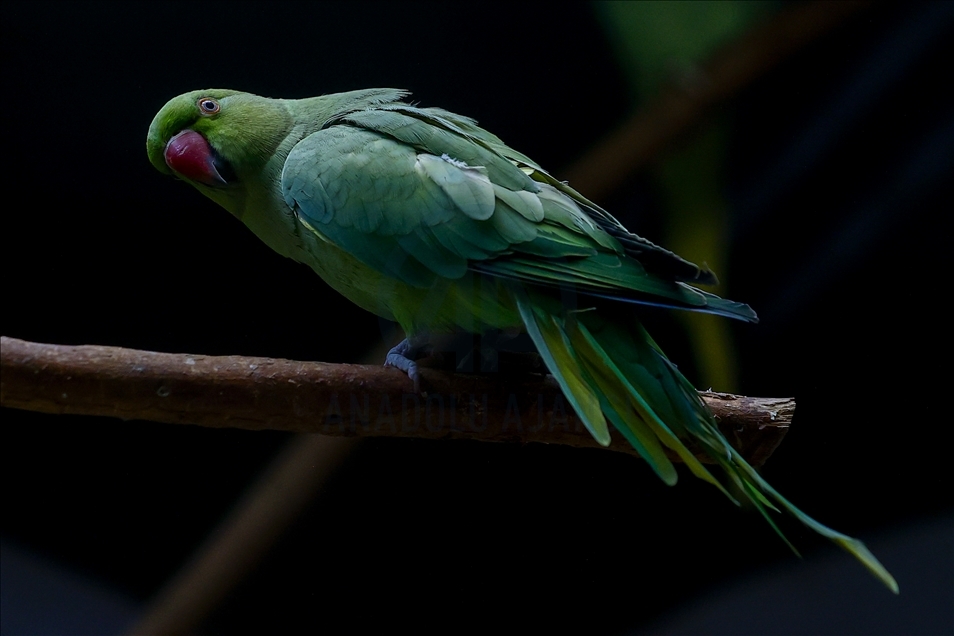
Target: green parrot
[(422, 217)]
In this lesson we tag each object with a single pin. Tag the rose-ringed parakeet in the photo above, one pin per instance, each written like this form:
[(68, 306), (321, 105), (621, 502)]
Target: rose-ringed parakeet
[(422, 217)]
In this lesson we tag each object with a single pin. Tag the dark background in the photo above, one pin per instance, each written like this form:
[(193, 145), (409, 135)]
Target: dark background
[(840, 169)]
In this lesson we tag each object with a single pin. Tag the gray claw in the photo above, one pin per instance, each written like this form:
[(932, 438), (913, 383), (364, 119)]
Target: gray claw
[(402, 357)]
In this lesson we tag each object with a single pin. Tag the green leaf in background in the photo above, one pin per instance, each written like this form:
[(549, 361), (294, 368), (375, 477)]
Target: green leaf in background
[(660, 43)]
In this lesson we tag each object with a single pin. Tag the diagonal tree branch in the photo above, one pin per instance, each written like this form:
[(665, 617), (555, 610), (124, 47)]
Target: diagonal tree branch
[(682, 106), (331, 399)]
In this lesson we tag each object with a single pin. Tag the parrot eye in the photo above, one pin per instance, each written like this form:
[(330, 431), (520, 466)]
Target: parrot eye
[(209, 106)]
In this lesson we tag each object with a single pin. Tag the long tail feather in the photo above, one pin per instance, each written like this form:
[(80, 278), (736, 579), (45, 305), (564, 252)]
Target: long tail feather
[(608, 372), (561, 362)]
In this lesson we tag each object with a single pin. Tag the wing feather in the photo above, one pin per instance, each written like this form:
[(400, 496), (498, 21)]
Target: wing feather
[(421, 194)]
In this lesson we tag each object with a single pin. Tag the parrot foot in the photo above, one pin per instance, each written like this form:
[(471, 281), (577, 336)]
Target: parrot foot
[(403, 357)]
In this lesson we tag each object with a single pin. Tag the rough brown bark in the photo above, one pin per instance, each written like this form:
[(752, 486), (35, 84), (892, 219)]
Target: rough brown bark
[(331, 399)]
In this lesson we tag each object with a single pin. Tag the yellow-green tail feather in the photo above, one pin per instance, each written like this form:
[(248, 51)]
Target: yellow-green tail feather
[(616, 373)]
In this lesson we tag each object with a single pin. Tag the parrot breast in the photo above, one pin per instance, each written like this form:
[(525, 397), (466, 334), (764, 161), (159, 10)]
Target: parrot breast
[(189, 154)]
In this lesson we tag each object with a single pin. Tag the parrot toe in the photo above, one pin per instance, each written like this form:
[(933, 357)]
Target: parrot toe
[(403, 356)]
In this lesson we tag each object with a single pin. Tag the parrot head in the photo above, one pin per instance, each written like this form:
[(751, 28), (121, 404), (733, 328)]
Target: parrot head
[(218, 141)]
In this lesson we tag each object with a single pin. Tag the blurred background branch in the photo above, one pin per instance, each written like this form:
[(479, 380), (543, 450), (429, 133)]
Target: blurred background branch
[(689, 85), (682, 62)]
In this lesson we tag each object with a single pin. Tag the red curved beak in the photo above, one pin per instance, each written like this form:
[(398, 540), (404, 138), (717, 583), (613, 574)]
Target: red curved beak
[(189, 154)]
